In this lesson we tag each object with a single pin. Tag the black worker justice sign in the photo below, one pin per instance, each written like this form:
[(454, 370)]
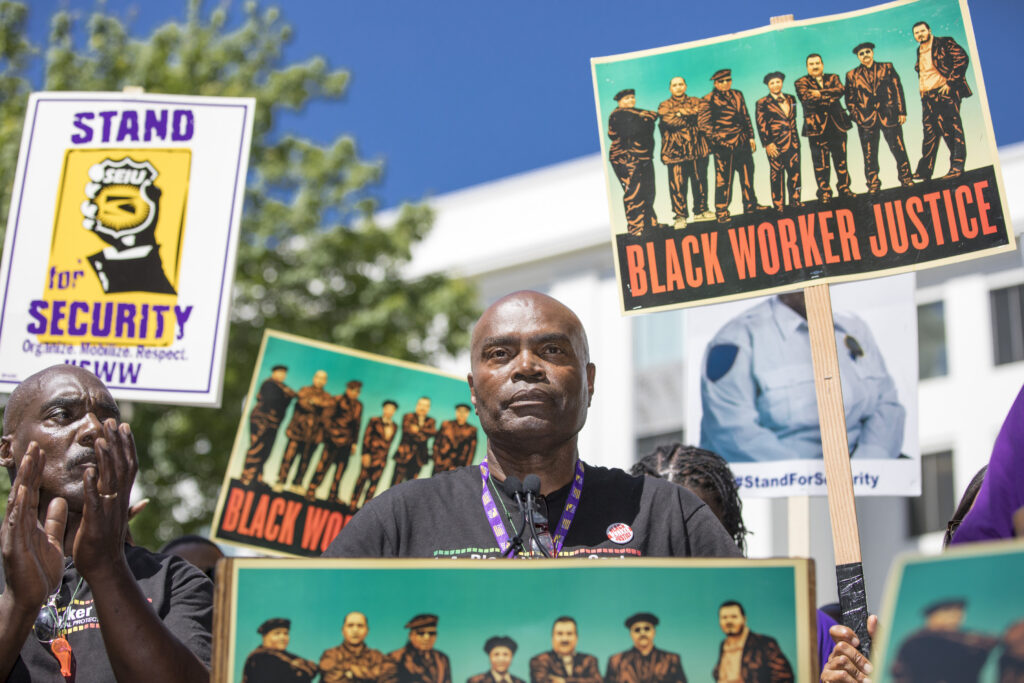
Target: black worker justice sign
[(824, 150)]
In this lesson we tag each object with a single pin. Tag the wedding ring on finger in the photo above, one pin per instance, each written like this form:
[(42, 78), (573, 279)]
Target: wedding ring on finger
[(109, 496)]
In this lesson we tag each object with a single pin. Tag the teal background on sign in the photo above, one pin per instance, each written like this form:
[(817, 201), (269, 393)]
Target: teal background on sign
[(990, 585), (475, 604), (786, 49), (382, 380)]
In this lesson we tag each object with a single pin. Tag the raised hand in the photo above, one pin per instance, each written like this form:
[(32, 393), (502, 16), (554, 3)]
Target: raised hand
[(101, 536), (33, 553)]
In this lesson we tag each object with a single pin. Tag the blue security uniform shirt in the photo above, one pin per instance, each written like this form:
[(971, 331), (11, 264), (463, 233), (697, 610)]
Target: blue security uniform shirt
[(757, 389)]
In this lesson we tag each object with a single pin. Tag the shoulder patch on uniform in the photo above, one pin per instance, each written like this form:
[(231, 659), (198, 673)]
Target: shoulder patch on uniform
[(853, 346), (720, 360)]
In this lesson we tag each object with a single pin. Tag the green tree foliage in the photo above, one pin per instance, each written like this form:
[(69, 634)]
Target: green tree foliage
[(312, 261)]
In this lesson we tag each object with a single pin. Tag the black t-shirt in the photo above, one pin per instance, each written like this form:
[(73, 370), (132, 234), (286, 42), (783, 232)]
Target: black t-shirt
[(181, 595), (443, 517)]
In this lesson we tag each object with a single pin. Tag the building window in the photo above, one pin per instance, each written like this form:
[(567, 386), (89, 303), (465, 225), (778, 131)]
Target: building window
[(931, 340), (932, 510), (1008, 324), (645, 445), (658, 339)]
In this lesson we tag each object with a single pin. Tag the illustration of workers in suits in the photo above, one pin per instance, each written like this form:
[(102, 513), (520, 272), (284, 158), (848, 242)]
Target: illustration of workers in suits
[(776, 126), (500, 650), (271, 662), (941, 650), (825, 126), (644, 663), (632, 157), (418, 661), (380, 432), (745, 655), (341, 438), (353, 661), (725, 122), (455, 443), (412, 453), (562, 663), (305, 431), (684, 150), (272, 400), (942, 77), (874, 96)]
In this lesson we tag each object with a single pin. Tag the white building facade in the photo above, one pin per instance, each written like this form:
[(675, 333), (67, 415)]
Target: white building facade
[(548, 230)]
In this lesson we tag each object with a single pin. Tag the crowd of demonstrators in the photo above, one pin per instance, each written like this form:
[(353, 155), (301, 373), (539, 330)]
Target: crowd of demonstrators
[(78, 602), (988, 510), (708, 475)]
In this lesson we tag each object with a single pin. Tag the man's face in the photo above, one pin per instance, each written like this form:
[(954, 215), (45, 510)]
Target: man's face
[(563, 638), (353, 392), (814, 66), (922, 33), (501, 658), (866, 56), (423, 406), (677, 86), (63, 413), (642, 633), (723, 84), (320, 379), (627, 102), (423, 638), (775, 86), (731, 620), (946, 619), (388, 411), (277, 639), (461, 415), (531, 381), (355, 628), (278, 375)]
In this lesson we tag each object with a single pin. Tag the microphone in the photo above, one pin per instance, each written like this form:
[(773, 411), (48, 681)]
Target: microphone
[(514, 488), (531, 484)]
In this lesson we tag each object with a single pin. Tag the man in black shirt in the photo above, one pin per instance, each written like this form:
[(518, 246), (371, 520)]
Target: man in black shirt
[(138, 616), (531, 384)]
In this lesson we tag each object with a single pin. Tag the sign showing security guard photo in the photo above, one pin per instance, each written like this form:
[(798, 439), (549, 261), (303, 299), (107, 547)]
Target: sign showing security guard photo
[(124, 218)]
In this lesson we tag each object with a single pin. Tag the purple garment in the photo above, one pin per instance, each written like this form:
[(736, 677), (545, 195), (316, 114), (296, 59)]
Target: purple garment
[(825, 642), (1002, 492)]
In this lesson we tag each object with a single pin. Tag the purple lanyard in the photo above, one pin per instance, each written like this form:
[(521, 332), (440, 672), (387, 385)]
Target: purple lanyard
[(498, 527)]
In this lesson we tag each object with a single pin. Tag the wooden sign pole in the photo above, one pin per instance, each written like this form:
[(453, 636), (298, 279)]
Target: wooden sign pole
[(839, 478), (836, 449)]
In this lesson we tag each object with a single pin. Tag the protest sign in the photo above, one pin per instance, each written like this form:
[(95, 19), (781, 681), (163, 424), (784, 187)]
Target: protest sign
[(955, 617), (326, 428), (465, 599), (774, 188), (121, 239), (750, 389)]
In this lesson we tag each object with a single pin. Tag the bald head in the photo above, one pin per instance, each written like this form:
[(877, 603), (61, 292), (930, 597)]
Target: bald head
[(30, 387), (62, 409), (535, 306), (532, 379)]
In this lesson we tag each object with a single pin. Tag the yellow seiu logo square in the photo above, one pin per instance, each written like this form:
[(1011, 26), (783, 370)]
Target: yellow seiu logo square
[(115, 257)]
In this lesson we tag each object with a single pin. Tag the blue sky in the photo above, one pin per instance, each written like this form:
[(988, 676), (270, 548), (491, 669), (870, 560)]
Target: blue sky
[(453, 93)]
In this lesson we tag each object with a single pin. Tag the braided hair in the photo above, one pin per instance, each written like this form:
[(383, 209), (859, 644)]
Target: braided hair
[(700, 471)]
